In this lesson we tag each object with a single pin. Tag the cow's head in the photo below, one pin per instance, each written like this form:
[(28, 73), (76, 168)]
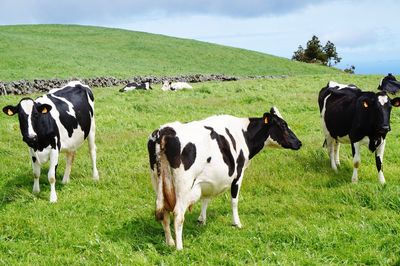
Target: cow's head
[(280, 135), (32, 117), (166, 85), (373, 112)]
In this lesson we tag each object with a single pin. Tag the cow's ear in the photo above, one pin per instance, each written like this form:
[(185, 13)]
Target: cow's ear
[(267, 117), (43, 108), (10, 110), (395, 102)]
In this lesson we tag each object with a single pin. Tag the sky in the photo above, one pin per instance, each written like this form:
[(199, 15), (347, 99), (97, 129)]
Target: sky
[(366, 33)]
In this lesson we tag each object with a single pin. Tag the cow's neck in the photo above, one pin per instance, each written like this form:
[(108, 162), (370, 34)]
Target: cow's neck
[(47, 133), (255, 135)]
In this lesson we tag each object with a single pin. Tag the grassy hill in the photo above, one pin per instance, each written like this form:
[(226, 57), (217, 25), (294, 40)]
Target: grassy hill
[(63, 51)]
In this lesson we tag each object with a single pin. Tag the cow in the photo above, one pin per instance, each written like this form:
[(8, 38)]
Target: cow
[(57, 122), (389, 84), (350, 115), (136, 86), (202, 159), (174, 86)]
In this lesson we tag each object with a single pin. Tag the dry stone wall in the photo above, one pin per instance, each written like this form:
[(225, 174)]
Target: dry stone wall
[(41, 85)]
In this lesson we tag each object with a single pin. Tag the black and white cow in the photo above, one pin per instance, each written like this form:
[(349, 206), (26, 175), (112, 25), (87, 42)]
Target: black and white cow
[(389, 84), (57, 122), (137, 86), (352, 116), (202, 159)]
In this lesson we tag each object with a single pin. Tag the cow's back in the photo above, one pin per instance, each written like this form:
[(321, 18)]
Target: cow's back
[(337, 107)]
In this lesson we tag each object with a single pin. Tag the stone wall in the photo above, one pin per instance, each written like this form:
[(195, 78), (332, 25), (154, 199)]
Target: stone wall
[(41, 85)]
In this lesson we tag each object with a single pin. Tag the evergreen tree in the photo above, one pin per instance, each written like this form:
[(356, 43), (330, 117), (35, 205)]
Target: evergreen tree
[(316, 53)]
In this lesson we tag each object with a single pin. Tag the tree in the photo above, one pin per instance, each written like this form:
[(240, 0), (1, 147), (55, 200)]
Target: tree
[(331, 54), (316, 53), (350, 70), (299, 54)]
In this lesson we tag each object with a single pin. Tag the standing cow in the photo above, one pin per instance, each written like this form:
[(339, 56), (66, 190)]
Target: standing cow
[(57, 122), (202, 159), (352, 116)]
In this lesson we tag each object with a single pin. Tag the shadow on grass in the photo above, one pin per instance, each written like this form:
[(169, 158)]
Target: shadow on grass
[(145, 232), (317, 162), (20, 188)]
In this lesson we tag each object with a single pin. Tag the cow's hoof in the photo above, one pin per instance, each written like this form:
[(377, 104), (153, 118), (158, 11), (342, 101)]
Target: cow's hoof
[(201, 222), (238, 225), (65, 181)]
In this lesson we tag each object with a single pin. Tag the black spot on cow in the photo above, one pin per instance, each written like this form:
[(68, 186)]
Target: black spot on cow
[(239, 169), (208, 159), (33, 159), (165, 131), (232, 139), (151, 148), (170, 145), (188, 155), (225, 150), (378, 163)]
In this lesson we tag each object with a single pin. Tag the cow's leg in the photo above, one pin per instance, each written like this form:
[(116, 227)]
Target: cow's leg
[(36, 175), (167, 230), (183, 201), (203, 214), (52, 174), (330, 144), (355, 148), (70, 160), (235, 189), (336, 149), (92, 150), (379, 161)]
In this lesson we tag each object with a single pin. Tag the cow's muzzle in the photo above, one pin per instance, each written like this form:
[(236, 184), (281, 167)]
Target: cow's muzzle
[(30, 140)]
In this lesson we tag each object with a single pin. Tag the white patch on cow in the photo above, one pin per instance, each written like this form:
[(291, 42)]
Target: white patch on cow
[(383, 99), (70, 106), (27, 107), (340, 86), (276, 111)]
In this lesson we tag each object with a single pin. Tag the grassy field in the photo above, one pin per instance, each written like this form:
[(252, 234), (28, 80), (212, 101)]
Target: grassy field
[(294, 208), (64, 51)]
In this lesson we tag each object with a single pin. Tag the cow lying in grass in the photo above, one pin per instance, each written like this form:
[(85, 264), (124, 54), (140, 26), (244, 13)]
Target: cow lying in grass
[(352, 116), (201, 159), (136, 86), (174, 86), (57, 122)]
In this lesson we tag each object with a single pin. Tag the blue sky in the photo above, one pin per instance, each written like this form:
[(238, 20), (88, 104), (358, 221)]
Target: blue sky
[(366, 32)]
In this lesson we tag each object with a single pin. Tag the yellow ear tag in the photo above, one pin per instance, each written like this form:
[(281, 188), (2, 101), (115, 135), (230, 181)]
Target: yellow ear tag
[(266, 120), (9, 112), (44, 111), (365, 104)]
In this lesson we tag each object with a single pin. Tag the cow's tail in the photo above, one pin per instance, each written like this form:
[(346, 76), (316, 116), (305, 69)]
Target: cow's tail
[(166, 197)]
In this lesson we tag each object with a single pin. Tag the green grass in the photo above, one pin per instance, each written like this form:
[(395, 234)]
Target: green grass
[(294, 208), (64, 51)]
